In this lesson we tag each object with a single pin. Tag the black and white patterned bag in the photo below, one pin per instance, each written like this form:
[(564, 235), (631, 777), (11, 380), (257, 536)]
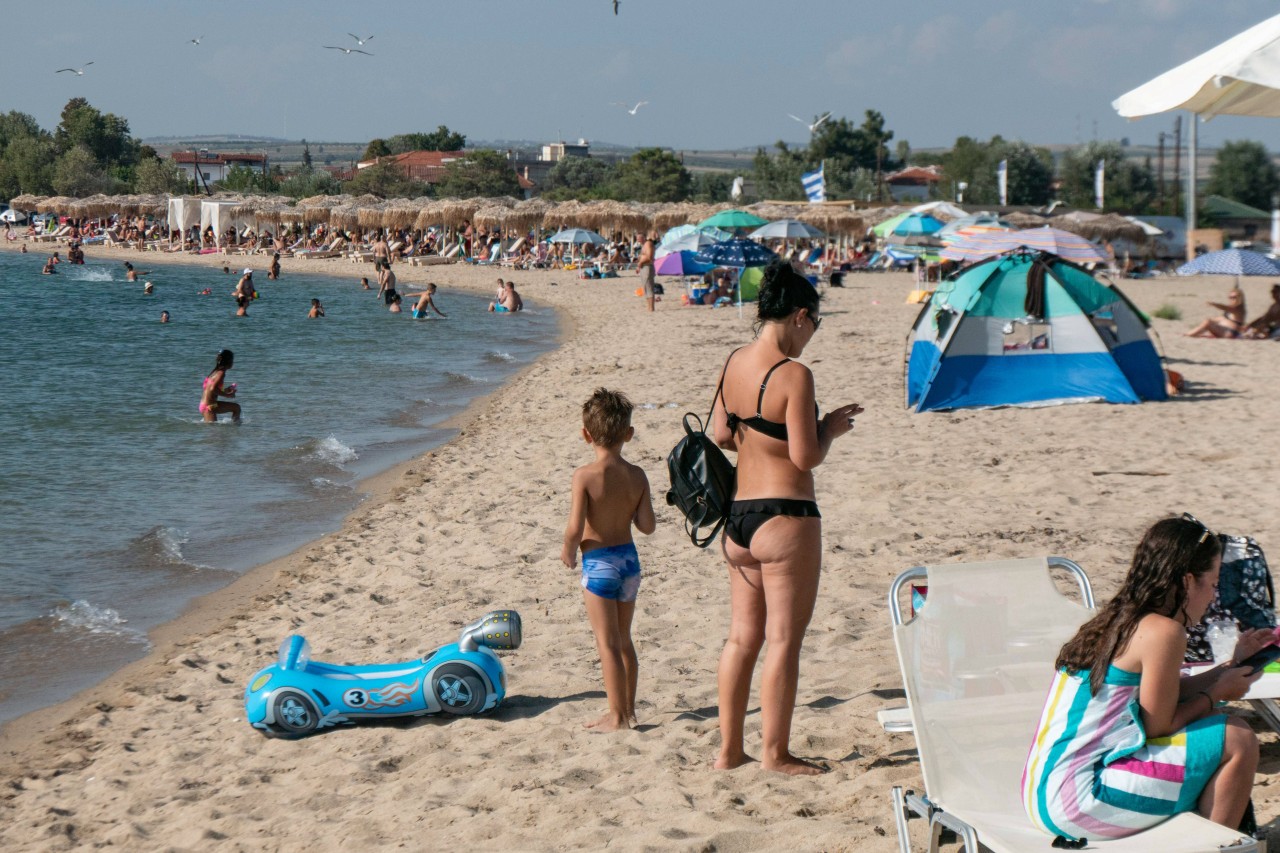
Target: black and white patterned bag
[(1245, 594)]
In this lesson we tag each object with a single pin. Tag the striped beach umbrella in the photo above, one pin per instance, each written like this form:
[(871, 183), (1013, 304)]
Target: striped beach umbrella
[(736, 253), (1064, 244), (1235, 262)]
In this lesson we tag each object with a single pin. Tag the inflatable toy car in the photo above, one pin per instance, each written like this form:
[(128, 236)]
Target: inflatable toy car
[(297, 695)]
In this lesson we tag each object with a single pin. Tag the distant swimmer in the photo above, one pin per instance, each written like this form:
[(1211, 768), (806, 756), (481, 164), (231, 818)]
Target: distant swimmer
[(393, 302), (131, 274), (148, 288), (273, 272), (425, 301), (244, 293), (50, 267), (364, 283), (164, 316), (210, 405), (317, 310)]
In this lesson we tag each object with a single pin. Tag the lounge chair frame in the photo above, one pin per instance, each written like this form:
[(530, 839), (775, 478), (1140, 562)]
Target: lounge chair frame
[(1178, 833)]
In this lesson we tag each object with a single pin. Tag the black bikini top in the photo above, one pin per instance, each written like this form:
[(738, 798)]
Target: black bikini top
[(757, 422)]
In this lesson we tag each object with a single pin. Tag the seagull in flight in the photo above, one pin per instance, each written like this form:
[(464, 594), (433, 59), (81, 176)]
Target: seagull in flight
[(813, 128), (196, 41), (632, 110), (347, 50), (360, 41), (79, 72)]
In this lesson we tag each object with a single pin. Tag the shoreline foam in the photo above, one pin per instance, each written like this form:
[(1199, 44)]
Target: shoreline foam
[(159, 755)]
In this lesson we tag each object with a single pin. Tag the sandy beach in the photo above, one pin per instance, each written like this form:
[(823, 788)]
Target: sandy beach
[(159, 757)]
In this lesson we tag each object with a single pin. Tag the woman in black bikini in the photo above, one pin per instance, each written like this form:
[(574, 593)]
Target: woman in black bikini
[(773, 537)]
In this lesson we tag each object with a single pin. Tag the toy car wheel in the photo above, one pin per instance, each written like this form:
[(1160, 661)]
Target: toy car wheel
[(294, 714), (458, 689)]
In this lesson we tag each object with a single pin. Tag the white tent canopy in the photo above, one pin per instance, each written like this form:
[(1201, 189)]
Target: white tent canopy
[(1241, 76), (183, 212), (217, 214)]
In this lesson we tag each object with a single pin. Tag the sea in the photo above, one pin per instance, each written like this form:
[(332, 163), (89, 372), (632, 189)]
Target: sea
[(119, 505)]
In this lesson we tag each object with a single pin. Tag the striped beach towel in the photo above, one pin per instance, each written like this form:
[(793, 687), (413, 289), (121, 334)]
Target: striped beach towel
[(1093, 773)]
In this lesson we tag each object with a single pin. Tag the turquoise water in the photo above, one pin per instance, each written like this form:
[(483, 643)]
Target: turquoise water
[(118, 504)]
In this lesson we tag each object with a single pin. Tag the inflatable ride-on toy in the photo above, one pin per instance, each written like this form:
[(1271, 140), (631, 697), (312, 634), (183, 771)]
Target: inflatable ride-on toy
[(297, 695)]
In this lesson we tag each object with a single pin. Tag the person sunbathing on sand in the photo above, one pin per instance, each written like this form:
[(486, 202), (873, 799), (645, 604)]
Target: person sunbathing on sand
[(1230, 324), (609, 495), (1266, 325)]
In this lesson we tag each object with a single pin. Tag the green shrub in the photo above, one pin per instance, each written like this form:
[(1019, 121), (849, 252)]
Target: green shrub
[(1168, 312)]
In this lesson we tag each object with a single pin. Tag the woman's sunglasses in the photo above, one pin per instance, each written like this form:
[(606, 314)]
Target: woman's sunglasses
[(1206, 533)]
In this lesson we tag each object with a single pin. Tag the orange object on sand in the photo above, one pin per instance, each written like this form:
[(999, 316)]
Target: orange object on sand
[(1173, 382), (639, 291)]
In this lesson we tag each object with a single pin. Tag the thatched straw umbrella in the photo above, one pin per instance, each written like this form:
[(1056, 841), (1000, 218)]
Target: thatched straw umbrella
[(26, 201), (491, 216), (344, 217), (94, 206), (431, 213), (316, 208), (528, 214), (55, 204), (1100, 226), (399, 213), (1022, 219), (566, 214)]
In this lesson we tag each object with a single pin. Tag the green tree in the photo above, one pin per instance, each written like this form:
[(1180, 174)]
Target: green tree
[(778, 176), (480, 173), (973, 162), (1243, 171), (243, 179), (154, 175), (1030, 173), (441, 139), (16, 125), (30, 159), (104, 136), (77, 173), (306, 155), (385, 181), (711, 187), (375, 149), (1127, 186), (578, 178), (309, 182), (651, 174)]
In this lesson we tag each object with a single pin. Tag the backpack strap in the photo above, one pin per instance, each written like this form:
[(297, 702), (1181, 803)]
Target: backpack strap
[(764, 383), (720, 387)]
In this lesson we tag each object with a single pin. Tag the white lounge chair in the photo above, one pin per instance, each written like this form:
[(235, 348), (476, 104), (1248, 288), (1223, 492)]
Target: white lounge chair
[(977, 660)]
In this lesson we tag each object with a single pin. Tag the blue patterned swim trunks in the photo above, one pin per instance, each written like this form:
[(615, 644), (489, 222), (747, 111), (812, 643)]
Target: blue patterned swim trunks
[(612, 572)]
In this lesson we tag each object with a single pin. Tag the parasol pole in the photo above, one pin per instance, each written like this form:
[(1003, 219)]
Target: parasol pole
[(1191, 188)]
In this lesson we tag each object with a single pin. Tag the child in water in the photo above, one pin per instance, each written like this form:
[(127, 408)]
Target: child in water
[(210, 405), (609, 496), (317, 310)]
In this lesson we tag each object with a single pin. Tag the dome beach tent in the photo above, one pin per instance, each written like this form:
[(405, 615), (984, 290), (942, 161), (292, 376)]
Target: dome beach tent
[(1029, 329)]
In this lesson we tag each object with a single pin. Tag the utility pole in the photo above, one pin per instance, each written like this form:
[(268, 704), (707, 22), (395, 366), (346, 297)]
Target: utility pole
[(1177, 165), (1160, 175)]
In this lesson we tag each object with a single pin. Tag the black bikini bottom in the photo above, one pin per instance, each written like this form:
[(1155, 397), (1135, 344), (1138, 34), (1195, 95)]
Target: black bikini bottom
[(745, 517)]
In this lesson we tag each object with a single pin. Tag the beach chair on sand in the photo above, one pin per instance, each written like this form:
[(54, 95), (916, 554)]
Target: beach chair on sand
[(977, 660)]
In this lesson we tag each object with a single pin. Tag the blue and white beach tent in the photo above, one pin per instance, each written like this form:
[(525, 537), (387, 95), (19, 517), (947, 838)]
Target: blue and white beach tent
[(1029, 329)]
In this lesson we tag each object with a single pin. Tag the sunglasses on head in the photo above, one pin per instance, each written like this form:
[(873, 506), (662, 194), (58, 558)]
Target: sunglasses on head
[(817, 322), (1206, 533)]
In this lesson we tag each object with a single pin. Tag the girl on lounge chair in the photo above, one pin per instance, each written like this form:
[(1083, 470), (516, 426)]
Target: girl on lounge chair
[(1125, 741)]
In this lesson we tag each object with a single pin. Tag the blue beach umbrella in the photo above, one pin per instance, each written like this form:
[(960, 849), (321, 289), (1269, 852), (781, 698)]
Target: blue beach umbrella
[(736, 253), (1235, 262), (711, 231), (916, 224), (690, 242)]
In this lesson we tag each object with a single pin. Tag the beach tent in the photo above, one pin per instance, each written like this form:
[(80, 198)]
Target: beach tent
[(1029, 329), (183, 213), (218, 215)]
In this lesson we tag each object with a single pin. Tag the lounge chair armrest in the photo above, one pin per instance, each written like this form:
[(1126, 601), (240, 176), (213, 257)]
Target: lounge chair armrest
[(895, 720)]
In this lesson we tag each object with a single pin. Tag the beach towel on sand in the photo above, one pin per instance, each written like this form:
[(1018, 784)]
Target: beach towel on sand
[(1093, 773)]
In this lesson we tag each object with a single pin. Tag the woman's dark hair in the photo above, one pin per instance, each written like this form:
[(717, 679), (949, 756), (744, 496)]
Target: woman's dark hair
[(782, 291), (224, 360), (1169, 550)]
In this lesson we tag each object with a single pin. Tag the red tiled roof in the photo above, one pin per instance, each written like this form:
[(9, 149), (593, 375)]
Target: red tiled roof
[(915, 175), (216, 159)]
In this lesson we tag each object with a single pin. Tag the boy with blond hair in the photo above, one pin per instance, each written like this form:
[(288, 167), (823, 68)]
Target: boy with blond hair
[(609, 496)]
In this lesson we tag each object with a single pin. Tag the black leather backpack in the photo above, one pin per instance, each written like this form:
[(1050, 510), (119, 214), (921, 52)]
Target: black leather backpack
[(702, 479)]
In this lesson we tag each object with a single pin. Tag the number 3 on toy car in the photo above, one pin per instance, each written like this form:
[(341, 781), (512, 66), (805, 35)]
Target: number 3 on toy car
[(355, 698)]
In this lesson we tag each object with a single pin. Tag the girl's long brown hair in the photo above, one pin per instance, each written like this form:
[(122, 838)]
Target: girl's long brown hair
[(1169, 550)]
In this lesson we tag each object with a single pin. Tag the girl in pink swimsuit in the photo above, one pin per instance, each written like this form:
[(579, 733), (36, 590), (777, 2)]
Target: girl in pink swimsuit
[(210, 406)]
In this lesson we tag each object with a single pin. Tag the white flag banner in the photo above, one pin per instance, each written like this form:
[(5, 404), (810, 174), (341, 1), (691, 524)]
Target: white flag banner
[(815, 184), (1099, 180), (1002, 181)]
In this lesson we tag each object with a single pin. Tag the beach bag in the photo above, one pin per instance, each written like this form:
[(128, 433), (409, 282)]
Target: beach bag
[(1246, 594), (702, 478)]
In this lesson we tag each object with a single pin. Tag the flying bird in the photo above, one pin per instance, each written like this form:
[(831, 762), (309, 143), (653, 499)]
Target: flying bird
[(632, 110), (812, 127), (196, 41), (347, 50), (360, 41), (615, 7), (79, 72)]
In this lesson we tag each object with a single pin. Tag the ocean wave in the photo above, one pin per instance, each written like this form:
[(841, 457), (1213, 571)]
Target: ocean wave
[(158, 548), (458, 378), (80, 615), (332, 451), (324, 484), (81, 273), (499, 356)]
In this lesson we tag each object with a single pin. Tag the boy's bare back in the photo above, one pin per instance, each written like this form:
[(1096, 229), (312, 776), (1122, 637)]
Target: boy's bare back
[(615, 494)]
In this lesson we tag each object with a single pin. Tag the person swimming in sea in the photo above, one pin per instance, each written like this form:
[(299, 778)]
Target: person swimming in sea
[(49, 268), (425, 302), (210, 405)]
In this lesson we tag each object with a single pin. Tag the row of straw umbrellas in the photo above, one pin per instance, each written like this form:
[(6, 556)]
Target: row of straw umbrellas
[(348, 212)]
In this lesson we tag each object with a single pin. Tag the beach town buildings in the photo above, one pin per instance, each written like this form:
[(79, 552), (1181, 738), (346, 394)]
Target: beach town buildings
[(531, 169), (914, 183), (212, 166)]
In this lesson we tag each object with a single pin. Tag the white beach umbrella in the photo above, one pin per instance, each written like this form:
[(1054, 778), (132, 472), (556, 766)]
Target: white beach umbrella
[(1240, 77), (786, 229)]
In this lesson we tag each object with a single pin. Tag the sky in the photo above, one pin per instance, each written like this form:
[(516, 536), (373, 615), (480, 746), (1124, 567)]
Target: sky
[(718, 74)]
